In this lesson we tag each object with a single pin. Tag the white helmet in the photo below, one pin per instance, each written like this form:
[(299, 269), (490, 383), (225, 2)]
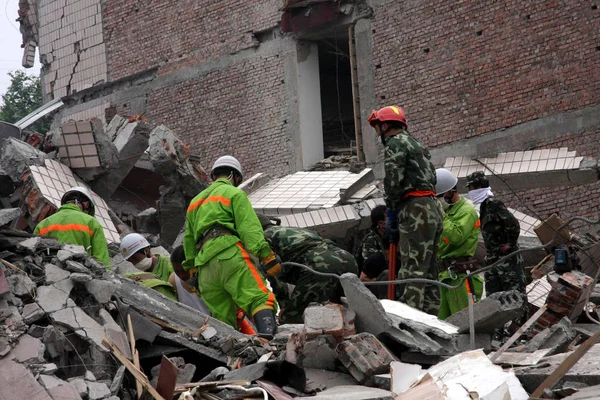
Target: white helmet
[(84, 191), (227, 161), (131, 244), (445, 181)]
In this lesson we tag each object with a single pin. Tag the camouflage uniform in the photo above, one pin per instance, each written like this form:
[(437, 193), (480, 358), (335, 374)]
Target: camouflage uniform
[(499, 226), (409, 178), (371, 244), (306, 247)]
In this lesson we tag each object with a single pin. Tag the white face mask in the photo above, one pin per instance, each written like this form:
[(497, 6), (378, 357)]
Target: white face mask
[(145, 264), (444, 203)]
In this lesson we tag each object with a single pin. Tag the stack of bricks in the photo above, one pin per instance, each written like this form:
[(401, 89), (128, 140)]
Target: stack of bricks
[(566, 299)]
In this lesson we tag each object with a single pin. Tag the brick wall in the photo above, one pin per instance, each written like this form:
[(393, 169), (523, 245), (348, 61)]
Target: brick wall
[(582, 200), (158, 33), (232, 111), (466, 68)]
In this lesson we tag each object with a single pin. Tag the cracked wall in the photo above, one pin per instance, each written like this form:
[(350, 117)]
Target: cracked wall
[(71, 46)]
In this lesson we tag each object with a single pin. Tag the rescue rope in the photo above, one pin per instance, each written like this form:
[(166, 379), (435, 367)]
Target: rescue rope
[(441, 284)]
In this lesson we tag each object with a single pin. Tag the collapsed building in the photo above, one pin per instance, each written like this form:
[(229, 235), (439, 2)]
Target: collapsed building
[(73, 330)]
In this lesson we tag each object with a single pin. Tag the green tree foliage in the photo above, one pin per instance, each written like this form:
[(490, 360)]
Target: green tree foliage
[(23, 96)]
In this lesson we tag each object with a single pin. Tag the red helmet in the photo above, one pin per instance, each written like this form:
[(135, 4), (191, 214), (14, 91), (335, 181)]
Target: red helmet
[(388, 113)]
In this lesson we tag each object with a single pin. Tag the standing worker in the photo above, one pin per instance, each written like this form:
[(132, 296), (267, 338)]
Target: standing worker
[(372, 243), (74, 223), (221, 230), (457, 246), (500, 230), (414, 218)]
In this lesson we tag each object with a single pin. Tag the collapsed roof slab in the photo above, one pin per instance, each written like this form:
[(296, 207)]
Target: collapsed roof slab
[(530, 169), (45, 185)]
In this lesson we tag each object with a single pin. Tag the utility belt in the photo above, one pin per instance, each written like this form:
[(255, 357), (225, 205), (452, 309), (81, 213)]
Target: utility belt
[(460, 264), (213, 232)]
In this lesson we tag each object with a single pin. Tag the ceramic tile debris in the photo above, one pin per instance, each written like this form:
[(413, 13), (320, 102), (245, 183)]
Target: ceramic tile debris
[(54, 179), (77, 145)]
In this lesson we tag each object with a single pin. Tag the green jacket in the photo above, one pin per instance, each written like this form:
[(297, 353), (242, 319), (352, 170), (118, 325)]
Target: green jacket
[(163, 268), (221, 204), (407, 169), (71, 225), (461, 231), (153, 282)]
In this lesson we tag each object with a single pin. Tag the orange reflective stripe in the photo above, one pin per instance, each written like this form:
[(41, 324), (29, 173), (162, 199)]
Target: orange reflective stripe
[(256, 275), (419, 193), (446, 241), (67, 227), (477, 224), (210, 199)]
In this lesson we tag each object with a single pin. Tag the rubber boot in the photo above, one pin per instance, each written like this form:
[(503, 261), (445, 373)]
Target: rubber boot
[(266, 324)]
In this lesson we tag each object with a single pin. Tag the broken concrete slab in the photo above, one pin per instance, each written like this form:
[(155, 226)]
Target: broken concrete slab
[(81, 323), (408, 327), (80, 278), (29, 350), (150, 302), (556, 338), (403, 376), (32, 313), (74, 266), (171, 214), (27, 387), (116, 124), (117, 380), (131, 142), (54, 297), (353, 392), (49, 382), (147, 221), (8, 215), (48, 369), (185, 371), (97, 391), (20, 285), (54, 274), (29, 245), (101, 290), (364, 356), (89, 376), (483, 341), (324, 320), (490, 313), (319, 353), (319, 380), (586, 370), (16, 156), (64, 391), (520, 359)]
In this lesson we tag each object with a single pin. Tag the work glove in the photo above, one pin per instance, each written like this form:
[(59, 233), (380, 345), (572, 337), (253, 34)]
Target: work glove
[(271, 265), (505, 248), (391, 226)]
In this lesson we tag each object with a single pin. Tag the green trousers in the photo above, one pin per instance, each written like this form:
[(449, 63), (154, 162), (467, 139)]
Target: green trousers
[(229, 281), (455, 300)]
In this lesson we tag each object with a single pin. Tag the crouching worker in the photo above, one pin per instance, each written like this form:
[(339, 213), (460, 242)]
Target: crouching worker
[(74, 223), (154, 269), (305, 247), (222, 230)]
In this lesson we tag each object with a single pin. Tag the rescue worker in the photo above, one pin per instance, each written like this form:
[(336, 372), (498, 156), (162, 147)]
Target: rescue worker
[(457, 246), (222, 230), (305, 247), (500, 230), (74, 223), (373, 242), (414, 218), (155, 269)]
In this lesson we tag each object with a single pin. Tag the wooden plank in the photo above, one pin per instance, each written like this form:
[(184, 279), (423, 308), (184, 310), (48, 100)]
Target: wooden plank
[(134, 355), (518, 333), (167, 378), (565, 366), (137, 374)]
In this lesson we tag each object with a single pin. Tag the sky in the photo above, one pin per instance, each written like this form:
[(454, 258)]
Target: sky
[(10, 44)]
